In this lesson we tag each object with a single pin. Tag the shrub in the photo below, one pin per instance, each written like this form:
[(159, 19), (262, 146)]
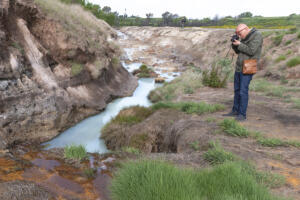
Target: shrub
[(75, 152), (218, 75), (293, 62), (157, 180), (280, 58), (76, 69), (231, 127), (298, 36), (217, 155)]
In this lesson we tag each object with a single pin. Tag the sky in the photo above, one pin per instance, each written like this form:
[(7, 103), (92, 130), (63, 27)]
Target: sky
[(202, 8)]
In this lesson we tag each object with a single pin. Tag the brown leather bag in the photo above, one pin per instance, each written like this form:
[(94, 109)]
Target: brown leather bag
[(250, 66)]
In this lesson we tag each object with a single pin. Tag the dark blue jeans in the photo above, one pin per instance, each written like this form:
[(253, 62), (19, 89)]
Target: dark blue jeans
[(241, 88)]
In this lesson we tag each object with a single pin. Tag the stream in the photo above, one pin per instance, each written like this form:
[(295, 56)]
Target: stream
[(88, 131)]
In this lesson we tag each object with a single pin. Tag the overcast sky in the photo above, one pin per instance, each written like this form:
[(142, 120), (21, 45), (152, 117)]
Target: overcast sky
[(202, 8)]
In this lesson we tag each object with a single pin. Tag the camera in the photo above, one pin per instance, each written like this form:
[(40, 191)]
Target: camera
[(234, 37)]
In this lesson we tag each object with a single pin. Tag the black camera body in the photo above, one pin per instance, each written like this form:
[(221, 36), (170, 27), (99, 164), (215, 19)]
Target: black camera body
[(234, 37)]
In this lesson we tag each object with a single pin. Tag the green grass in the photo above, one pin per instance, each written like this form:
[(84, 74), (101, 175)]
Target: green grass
[(277, 39), (233, 128), (131, 150), (280, 58), (217, 155), (296, 103), (195, 145), (294, 61), (75, 152), (157, 180), (276, 142), (271, 142), (190, 107), (288, 42), (76, 69), (190, 79), (90, 173), (261, 85)]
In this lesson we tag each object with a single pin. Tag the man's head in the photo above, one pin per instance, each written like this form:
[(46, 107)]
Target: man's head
[(242, 30)]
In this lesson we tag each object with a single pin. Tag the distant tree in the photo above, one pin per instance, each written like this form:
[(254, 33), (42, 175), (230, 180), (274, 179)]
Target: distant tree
[(228, 16), (106, 9), (167, 17), (149, 16), (245, 14)]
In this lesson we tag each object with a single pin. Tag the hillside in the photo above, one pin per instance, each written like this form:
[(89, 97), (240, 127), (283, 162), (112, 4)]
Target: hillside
[(59, 64)]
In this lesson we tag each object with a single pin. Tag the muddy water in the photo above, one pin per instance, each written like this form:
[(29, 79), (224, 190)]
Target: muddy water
[(88, 131)]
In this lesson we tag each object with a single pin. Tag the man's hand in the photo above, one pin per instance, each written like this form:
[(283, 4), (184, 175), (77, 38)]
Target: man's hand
[(236, 42)]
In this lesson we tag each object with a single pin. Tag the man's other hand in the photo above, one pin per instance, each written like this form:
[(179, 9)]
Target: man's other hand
[(236, 42)]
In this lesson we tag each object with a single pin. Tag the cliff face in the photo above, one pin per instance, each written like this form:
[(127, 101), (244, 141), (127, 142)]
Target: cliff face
[(56, 68)]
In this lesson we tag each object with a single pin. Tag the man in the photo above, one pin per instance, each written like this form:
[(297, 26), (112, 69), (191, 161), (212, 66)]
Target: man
[(248, 48)]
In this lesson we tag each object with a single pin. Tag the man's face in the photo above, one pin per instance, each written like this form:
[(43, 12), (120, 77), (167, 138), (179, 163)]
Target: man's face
[(241, 32)]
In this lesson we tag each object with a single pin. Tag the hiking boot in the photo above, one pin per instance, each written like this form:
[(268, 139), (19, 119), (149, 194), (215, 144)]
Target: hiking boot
[(240, 118), (231, 114)]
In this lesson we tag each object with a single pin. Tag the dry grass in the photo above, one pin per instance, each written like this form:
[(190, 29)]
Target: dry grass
[(73, 17)]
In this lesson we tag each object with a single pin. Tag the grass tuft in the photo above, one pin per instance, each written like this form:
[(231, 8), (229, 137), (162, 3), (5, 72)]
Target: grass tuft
[(157, 180), (217, 155), (294, 61), (75, 152), (233, 128)]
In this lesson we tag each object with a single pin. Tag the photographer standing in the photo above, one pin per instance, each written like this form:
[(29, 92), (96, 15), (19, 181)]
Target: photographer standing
[(248, 49)]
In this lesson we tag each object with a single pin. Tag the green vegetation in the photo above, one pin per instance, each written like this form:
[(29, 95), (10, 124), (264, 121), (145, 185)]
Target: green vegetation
[(76, 69), (210, 119), (144, 71), (218, 75), (131, 150), (190, 107), (195, 145), (190, 79), (261, 85), (296, 102), (298, 36), (277, 39), (280, 58), (90, 173), (115, 62), (288, 42), (217, 155), (157, 180), (233, 128), (136, 115), (75, 152), (294, 61)]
